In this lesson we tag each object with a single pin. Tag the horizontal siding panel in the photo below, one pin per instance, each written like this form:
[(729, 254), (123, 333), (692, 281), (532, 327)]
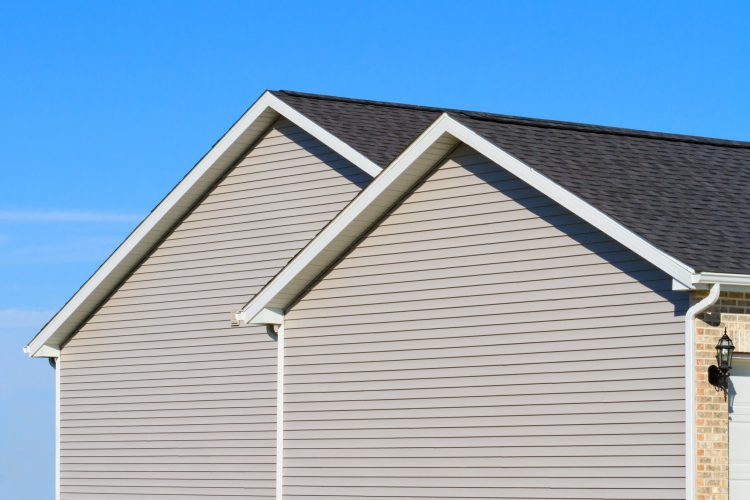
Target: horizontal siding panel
[(307, 186), (541, 249), (236, 286), (227, 395), (147, 454), (586, 317), (195, 388), (405, 493), (218, 356), (514, 220), (561, 310), (517, 400), (208, 328), (176, 341), (460, 267), (469, 443), (171, 444), (482, 342), (486, 335), (300, 175), (132, 378), (495, 295), (162, 496), (207, 271), (510, 379), (197, 367), (219, 256), (443, 434), (168, 435), (201, 464), (497, 392), (480, 366), (507, 343), (260, 210), (492, 421), (466, 484), (525, 229), (553, 351), (499, 465), (422, 362), (314, 195), (188, 283), (194, 422), (460, 275), (179, 490), (258, 239), (254, 231), (498, 244), (160, 398), (549, 450), (190, 477), (221, 344), (262, 409)]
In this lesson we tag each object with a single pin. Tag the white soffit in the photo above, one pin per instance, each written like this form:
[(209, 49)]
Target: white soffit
[(395, 181), (222, 156)]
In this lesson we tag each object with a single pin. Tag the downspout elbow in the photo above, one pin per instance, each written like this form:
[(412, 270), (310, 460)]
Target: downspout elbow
[(271, 331)]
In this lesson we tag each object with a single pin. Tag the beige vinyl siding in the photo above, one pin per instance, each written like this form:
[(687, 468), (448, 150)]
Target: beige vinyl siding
[(483, 342), (160, 398)]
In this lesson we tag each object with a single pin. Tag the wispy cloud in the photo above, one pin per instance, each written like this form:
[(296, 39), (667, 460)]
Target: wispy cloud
[(23, 319), (65, 216)]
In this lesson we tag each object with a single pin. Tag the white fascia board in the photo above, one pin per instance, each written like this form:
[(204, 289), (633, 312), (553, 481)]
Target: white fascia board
[(674, 268), (222, 156), (345, 228), (728, 282), (323, 135), (325, 248)]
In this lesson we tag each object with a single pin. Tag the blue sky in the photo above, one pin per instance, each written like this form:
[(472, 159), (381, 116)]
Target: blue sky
[(106, 105)]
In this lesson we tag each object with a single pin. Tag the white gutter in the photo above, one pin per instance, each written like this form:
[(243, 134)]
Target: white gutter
[(729, 282), (690, 435)]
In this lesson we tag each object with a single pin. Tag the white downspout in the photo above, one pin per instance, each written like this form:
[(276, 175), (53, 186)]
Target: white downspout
[(58, 456), (280, 414), (690, 436)]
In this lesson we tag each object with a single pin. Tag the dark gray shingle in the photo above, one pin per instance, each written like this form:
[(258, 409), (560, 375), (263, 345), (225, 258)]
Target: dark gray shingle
[(689, 196)]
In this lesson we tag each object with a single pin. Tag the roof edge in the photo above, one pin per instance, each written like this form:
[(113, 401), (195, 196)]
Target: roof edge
[(536, 122), (220, 157), (400, 177)]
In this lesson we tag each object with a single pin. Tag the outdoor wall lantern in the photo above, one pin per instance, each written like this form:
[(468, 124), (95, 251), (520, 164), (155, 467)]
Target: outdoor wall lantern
[(718, 376)]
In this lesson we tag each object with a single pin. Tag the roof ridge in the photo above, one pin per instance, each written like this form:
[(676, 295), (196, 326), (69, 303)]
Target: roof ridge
[(535, 122)]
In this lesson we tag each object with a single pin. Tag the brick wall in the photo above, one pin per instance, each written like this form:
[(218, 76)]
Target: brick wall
[(712, 419)]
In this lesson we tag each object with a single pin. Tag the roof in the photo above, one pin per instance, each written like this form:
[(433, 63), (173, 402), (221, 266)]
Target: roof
[(686, 195), (210, 168), (675, 200)]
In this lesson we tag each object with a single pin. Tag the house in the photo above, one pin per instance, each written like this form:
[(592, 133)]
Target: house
[(358, 299)]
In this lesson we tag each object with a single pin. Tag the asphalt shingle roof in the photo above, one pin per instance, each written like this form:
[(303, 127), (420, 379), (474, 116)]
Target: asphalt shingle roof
[(689, 196)]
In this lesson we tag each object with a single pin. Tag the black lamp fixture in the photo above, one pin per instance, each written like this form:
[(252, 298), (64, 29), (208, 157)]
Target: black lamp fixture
[(718, 376)]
